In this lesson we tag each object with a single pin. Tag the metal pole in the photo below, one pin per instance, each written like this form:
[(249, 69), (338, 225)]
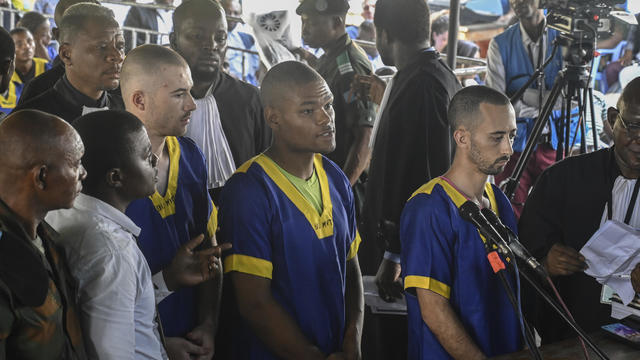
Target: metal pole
[(454, 26)]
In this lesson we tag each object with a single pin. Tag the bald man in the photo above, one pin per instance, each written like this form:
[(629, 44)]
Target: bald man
[(46, 81), (156, 84), (41, 171), (570, 202), (290, 216), (7, 62)]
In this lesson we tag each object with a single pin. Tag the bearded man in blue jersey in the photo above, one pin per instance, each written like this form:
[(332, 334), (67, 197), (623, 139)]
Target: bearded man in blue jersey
[(290, 216), (456, 305)]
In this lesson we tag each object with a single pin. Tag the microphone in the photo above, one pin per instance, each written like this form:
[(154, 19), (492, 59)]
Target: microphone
[(471, 212), (512, 241)]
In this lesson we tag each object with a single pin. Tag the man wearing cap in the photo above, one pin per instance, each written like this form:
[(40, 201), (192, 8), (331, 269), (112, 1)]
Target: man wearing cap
[(323, 26)]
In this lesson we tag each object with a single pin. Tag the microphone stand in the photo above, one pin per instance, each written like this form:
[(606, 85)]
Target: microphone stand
[(564, 316), (498, 268)]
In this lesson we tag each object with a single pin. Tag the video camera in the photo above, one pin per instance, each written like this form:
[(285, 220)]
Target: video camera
[(583, 19)]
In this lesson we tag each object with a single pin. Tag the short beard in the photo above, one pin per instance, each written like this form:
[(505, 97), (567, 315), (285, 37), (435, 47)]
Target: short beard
[(482, 163)]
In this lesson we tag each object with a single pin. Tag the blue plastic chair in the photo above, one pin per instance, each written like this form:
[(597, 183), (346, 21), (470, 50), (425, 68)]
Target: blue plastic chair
[(599, 76)]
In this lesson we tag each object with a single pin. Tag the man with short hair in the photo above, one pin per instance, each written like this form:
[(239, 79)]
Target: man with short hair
[(26, 67), (116, 293), (46, 81), (570, 202), (7, 62), (457, 307), (92, 49), (156, 85), (323, 26), (290, 216), (228, 124), (41, 171)]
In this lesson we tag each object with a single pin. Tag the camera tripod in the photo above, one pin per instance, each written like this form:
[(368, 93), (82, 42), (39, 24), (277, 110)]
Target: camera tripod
[(577, 80)]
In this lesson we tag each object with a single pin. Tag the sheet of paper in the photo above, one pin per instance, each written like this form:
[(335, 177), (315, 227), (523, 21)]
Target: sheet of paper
[(375, 302), (611, 254)]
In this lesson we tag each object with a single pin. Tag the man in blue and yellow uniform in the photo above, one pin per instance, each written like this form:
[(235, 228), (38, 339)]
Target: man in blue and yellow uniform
[(456, 306), (289, 214), (155, 86), (27, 68), (323, 26)]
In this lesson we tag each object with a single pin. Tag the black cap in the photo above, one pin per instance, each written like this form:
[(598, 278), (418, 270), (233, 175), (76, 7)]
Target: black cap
[(324, 7)]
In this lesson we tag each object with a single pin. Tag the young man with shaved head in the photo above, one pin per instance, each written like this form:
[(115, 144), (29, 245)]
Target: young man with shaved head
[(228, 124), (456, 305), (41, 171), (46, 81), (290, 216), (156, 84), (570, 202), (92, 49)]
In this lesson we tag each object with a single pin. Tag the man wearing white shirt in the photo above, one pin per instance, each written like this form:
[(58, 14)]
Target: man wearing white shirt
[(569, 203), (116, 289)]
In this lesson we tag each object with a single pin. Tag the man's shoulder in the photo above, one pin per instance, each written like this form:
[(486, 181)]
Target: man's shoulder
[(508, 32), (359, 58), (49, 101), (576, 166), (234, 90)]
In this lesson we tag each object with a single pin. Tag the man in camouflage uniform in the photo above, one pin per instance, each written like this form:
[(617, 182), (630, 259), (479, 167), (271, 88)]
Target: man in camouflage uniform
[(323, 26), (41, 171)]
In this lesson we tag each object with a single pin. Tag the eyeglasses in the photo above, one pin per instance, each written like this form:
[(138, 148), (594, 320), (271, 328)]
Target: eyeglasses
[(632, 129)]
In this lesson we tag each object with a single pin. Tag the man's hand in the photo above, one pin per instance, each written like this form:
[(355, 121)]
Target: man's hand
[(204, 337), (190, 268), (563, 260), (368, 88), (182, 349), (626, 58), (635, 278), (388, 280)]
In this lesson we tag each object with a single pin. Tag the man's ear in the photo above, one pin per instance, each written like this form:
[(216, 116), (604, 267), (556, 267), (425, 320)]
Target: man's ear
[(65, 54), (172, 40), (113, 178), (338, 21), (55, 32), (612, 116), (272, 117), (138, 100), (462, 137), (39, 175)]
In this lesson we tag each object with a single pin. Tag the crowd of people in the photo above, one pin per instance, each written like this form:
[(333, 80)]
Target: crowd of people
[(156, 204)]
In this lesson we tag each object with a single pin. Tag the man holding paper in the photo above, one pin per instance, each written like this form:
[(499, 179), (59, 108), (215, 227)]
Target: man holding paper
[(570, 202)]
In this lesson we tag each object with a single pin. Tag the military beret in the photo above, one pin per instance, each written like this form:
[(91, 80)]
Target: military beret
[(324, 7)]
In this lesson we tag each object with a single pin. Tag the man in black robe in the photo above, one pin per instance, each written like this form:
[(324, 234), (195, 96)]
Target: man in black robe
[(569, 203), (92, 49)]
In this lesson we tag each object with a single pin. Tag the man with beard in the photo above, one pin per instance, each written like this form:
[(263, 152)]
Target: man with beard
[(228, 124), (456, 305), (41, 171), (569, 203), (92, 49), (156, 86), (290, 216), (46, 81)]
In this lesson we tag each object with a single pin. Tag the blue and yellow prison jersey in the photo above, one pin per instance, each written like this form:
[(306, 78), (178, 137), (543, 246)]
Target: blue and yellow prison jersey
[(444, 253), (277, 234), (167, 222), (9, 102)]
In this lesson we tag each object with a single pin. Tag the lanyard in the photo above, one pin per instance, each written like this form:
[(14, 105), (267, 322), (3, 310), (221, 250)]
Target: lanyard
[(630, 207)]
